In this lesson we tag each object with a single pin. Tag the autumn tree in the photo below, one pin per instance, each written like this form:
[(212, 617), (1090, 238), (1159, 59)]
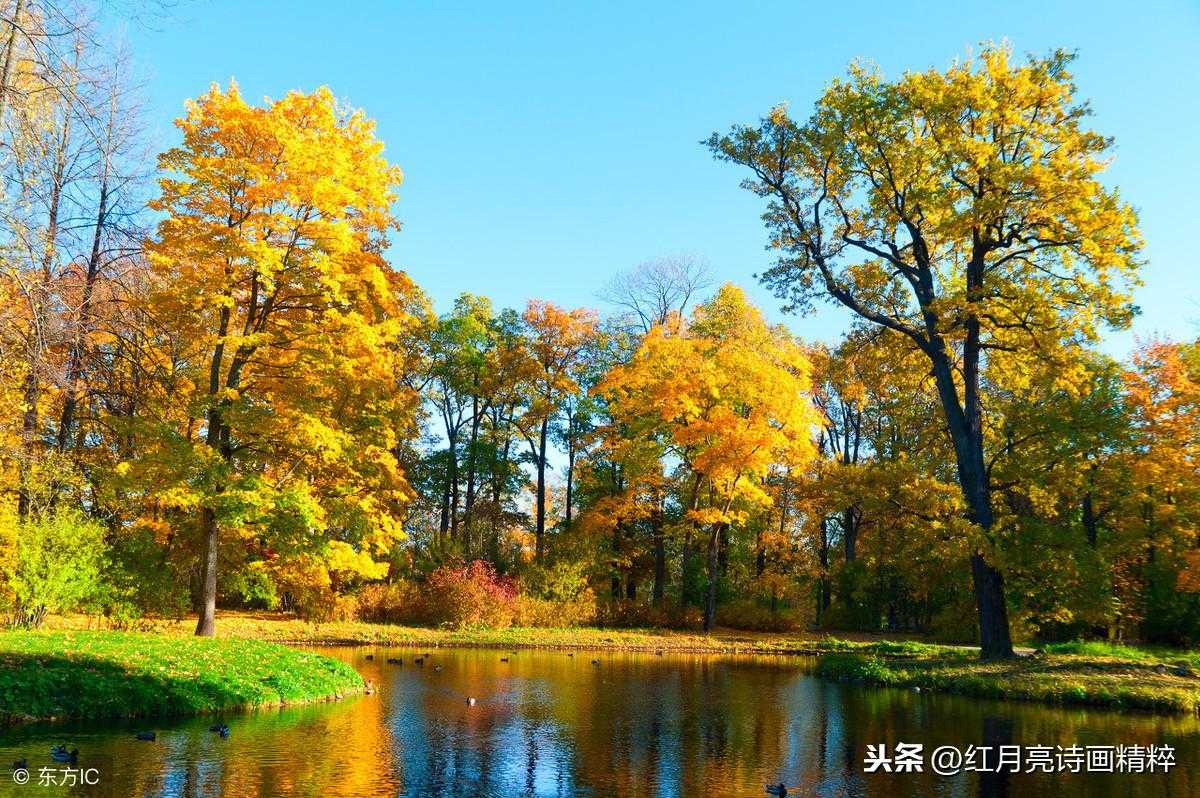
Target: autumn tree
[(270, 256), (963, 210), (556, 342), (1161, 513), (728, 395), (650, 294)]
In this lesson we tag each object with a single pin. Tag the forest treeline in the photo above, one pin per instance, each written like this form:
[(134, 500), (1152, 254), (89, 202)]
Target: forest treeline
[(217, 390)]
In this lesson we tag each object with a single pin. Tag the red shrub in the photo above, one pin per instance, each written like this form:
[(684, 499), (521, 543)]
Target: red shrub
[(470, 595)]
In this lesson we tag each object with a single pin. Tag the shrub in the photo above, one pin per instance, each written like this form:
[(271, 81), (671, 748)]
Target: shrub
[(855, 667), (254, 586), (51, 562), (305, 587), (563, 581), (755, 617), (142, 579), (634, 615), (392, 602), (955, 623), (471, 595), (534, 611)]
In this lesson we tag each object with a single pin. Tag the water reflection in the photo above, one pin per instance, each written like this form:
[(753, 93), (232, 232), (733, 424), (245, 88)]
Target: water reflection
[(546, 724)]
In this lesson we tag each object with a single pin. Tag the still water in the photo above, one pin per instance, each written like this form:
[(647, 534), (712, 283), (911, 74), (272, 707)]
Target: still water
[(548, 724)]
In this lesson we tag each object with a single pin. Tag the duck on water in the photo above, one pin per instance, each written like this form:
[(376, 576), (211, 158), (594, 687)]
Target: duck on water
[(59, 753)]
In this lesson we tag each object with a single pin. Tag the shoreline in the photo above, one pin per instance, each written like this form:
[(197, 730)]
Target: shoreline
[(1112, 677)]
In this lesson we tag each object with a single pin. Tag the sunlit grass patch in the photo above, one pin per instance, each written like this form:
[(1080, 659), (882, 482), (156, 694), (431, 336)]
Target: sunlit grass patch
[(1077, 679), (1100, 648), (96, 674)]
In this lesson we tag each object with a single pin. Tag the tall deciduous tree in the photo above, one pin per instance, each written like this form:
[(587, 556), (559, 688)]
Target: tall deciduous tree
[(556, 343), (962, 209), (730, 396), (270, 254)]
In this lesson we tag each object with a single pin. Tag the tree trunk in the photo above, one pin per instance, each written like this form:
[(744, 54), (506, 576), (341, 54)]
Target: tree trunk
[(965, 423), (1091, 520), (760, 554), (206, 625), (570, 475), (30, 394), (850, 532), (687, 544), (685, 564), (9, 48), (472, 446), (452, 478), (616, 561), (444, 522), (216, 439), (714, 567), (660, 558), (83, 323), (823, 589), (540, 537), (499, 465), (723, 549)]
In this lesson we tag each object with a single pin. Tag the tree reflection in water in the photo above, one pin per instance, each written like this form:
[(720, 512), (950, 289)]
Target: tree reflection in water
[(546, 724)]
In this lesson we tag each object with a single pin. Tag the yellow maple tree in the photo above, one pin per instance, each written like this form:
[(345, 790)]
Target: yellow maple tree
[(269, 261)]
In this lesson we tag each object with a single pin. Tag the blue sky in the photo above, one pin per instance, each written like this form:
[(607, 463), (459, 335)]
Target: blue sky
[(547, 146)]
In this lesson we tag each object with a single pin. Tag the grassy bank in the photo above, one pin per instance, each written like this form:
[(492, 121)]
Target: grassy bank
[(1087, 674), (98, 674)]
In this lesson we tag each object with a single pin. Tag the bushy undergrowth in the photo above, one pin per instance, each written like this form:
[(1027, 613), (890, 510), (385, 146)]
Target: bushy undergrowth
[(540, 612), (1098, 648), (752, 615), (49, 562), (1143, 654), (456, 596), (474, 596)]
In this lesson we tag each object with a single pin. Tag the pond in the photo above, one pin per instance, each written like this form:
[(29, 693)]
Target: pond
[(546, 723)]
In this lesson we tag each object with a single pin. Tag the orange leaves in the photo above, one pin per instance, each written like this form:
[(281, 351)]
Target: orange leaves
[(726, 395), (1163, 389), (554, 348)]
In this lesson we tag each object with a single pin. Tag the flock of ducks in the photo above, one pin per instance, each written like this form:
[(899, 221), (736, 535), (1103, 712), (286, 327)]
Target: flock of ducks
[(421, 661), (471, 701), (58, 753)]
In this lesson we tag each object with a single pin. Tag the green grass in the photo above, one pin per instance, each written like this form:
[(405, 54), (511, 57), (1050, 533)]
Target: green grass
[(95, 674), (1099, 648), (1088, 675)]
